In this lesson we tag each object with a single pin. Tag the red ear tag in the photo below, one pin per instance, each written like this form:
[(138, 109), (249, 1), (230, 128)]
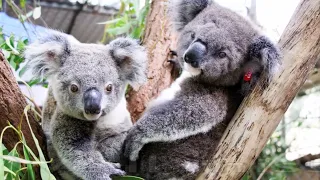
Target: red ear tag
[(247, 76)]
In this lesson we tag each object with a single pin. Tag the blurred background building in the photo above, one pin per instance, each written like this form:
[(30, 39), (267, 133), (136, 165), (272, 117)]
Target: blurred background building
[(71, 17)]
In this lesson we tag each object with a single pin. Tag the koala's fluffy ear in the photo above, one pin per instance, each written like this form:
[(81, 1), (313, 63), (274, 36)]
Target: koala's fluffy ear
[(183, 11), (131, 60), (264, 56), (45, 55), (267, 54)]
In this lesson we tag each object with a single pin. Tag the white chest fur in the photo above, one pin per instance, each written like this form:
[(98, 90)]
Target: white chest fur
[(119, 116), (169, 93)]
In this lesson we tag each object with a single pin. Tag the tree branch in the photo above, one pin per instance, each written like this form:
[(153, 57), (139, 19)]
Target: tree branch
[(158, 43), (12, 104)]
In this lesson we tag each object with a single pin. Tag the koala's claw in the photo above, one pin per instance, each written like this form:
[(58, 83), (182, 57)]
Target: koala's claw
[(118, 172), (172, 61), (116, 165), (113, 169), (173, 53), (103, 171)]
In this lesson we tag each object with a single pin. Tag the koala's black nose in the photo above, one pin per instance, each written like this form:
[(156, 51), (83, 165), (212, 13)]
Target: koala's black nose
[(92, 100), (195, 53)]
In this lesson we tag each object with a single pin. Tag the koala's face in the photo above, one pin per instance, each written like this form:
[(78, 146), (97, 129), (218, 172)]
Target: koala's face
[(87, 80), (88, 84), (218, 46), (213, 48), (210, 53)]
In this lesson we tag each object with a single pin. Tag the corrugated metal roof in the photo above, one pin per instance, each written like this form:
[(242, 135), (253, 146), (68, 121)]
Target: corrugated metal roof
[(59, 15)]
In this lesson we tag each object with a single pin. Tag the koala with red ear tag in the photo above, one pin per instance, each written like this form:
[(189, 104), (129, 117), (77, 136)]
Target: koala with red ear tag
[(85, 118), (223, 56)]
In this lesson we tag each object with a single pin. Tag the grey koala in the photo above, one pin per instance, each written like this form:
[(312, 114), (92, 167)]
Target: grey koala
[(85, 118), (222, 56)]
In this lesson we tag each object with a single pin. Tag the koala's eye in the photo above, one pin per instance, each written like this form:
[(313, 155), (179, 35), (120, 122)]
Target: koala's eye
[(109, 88), (74, 88), (193, 35), (222, 55)]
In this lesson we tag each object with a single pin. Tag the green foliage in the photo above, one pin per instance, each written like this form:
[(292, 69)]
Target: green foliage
[(13, 166), (12, 50), (129, 21)]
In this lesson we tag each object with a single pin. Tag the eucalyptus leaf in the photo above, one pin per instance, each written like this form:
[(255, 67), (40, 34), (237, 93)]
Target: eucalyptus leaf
[(44, 169), (111, 21), (6, 53), (34, 81), (22, 71), (129, 21), (27, 160), (28, 15), (12, 63), (2, 40), (12, 165), (1, 162), (23, 3), (10, 45), (119, 30), (36, 13), (26, 41), (4, 150)]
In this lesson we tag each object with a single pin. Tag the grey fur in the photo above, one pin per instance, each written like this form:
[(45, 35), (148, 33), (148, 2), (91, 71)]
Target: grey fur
[(173, 138), (184, 11), (82, 145)]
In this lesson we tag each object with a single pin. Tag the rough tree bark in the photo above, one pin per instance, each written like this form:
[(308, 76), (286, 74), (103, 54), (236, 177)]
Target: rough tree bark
[(159, 39), (12, 104), (261, 112)]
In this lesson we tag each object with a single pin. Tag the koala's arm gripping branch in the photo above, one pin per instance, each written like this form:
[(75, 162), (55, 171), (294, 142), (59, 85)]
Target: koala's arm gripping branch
[(170, 123), (261, 112)]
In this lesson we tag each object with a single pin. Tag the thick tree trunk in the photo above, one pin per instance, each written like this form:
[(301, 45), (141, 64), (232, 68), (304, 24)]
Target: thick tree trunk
[(159, 39), (12, 104), (261, 112)]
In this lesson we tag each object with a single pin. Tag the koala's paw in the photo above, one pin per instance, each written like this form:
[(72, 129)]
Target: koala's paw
[(115, 170), (104, 171), (116, 165), (173, 53), (177, 69), (133, 145)]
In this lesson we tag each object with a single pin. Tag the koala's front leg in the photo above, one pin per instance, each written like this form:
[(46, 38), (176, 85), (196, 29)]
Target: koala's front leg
[(72, 140), (173, 121)]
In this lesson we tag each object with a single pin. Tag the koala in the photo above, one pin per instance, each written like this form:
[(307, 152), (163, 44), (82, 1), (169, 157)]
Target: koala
[(85, 118), (222, 55)]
